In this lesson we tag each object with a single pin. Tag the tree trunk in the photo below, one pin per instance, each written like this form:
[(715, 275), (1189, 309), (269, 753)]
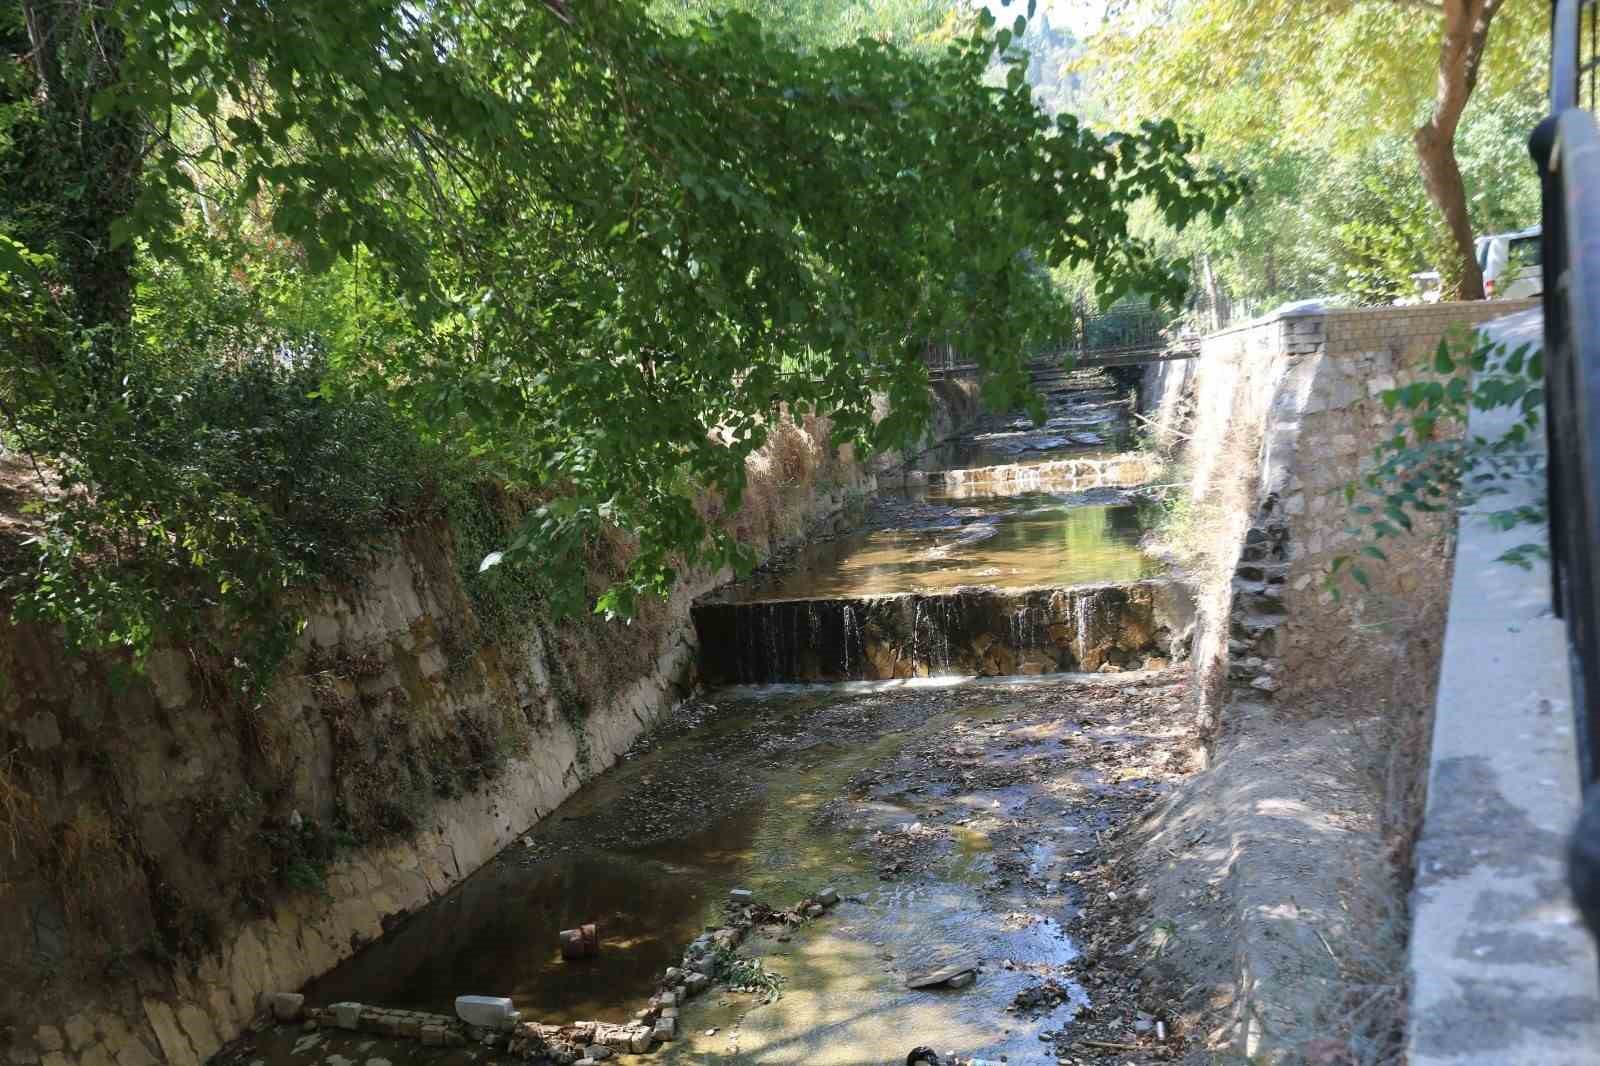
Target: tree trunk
[(1466, 31)]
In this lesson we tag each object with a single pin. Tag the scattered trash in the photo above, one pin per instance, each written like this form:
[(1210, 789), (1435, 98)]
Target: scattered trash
[(580, 943)]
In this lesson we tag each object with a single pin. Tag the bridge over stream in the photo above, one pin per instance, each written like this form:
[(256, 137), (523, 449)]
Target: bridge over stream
[(1113, 339)]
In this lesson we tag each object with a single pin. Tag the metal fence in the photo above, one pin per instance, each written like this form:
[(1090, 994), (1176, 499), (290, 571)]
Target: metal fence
[(1122, 337), (1566, 148)]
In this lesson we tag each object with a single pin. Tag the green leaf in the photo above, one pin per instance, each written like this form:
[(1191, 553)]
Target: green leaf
[(1443, 363)]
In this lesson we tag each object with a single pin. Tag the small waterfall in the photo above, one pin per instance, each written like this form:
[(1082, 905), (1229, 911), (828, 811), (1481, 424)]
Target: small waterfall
[(849, 626), (773, 663), (945, 603), (1084, 611), (916, 622), (1019, 627)]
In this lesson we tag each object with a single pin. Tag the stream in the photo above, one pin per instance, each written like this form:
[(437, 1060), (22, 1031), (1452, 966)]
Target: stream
[(937, 715)]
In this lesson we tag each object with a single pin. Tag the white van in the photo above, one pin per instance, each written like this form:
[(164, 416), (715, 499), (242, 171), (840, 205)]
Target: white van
[(1512, 264)]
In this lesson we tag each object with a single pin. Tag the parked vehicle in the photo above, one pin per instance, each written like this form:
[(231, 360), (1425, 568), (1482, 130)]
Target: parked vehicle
[(1429, 289), (1511, 264)]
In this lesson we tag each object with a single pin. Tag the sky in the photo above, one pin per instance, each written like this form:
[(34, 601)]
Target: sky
[(1082, 17)]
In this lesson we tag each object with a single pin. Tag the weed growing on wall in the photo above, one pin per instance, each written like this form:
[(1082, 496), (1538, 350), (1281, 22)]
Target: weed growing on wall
[(1427, 466), (266, 483)]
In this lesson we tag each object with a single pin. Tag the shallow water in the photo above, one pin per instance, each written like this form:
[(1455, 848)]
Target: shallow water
[(780, 789), (1079, 424), (497, 933), (1034, 540)]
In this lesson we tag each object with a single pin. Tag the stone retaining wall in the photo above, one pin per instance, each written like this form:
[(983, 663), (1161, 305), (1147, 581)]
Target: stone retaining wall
[(1309, 703), (1300, 394)]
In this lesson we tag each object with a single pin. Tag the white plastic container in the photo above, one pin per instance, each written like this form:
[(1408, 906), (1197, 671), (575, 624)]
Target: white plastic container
[(487, 1012)]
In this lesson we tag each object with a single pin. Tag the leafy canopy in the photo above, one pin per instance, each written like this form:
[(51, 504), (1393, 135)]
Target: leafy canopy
[(596, 254)]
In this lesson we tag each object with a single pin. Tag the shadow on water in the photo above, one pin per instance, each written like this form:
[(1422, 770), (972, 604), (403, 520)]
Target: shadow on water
[(497, 933)]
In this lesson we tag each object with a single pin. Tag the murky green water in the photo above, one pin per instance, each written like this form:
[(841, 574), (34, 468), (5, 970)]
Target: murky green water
[(497, 933), (1036, 540)]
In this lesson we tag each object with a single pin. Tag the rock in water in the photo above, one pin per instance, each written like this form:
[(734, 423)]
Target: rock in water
[(287, 1006), (943, 975)]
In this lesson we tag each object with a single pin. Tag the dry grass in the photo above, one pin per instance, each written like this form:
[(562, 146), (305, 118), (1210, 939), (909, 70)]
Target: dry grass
[(92, 869), (1384, 760), (21, 818), (1202, 530)]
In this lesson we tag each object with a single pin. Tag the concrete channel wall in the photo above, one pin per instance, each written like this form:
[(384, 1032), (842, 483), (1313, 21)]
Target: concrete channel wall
[(1502, 972)]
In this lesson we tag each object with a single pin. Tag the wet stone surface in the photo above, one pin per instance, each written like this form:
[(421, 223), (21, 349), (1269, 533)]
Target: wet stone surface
[(958, 823), (964, 822)]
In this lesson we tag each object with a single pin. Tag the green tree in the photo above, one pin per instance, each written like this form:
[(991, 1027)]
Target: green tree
[(593, 252), (1333, 79)]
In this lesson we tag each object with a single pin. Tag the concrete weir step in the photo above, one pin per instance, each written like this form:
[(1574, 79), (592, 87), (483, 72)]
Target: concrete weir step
[(964, 632)]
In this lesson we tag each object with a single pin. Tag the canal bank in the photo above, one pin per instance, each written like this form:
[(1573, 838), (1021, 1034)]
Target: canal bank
[(959, 817)]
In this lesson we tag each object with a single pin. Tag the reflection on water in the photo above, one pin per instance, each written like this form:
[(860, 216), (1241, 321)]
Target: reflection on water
[(497, 935), (1022, 542)]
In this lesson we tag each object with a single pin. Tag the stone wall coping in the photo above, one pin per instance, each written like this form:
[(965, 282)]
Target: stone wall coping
[(1443, 309), (1502, 972)]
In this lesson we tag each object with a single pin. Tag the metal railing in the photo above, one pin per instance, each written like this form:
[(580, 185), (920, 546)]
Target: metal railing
[(1114, 338), (1566, 149)]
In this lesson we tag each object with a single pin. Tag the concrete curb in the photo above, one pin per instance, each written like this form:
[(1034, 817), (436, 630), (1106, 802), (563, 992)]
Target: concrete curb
[(1501, 971)]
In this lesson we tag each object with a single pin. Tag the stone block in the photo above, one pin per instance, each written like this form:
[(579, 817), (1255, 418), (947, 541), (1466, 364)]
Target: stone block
[(828, 897), (487, 1012), (433, 1035), (666, 1029), (285, 1006), (597, 1052), (641, 1040), (347, 1015)]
